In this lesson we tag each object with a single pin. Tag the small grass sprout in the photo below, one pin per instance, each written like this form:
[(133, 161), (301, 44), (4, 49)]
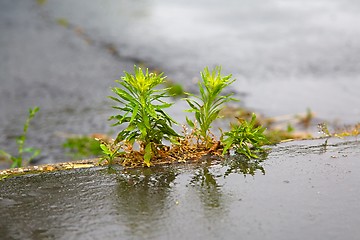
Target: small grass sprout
[(110, 151), (246, 138), (207, 106), (142, 109), (18, 161)]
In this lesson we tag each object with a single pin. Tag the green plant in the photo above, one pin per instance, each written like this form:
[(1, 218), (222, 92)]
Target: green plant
[(110, 151), (17, 161), (208, 105), (245, 138), (82, 146), (142, 108)]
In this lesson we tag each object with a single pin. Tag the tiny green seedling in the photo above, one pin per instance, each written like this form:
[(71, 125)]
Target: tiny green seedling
[(17, 161), (210, 102), (110, 151), (142, 109)]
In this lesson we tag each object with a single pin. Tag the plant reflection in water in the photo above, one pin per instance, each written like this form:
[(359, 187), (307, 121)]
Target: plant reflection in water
[(142, 198), (243, 165), (145, 197)]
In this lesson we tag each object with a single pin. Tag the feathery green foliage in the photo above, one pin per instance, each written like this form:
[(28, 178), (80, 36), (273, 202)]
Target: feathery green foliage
[(142, 109), (208, 105), (245, 138), (141, 104)]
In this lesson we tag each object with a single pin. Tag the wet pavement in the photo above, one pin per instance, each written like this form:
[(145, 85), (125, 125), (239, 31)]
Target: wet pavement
[(304, 190), (47, 65), (64, 56), (288, 56)]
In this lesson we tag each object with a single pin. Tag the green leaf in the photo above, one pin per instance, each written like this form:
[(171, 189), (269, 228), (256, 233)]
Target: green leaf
[(20, 140), (190, 123), (116, 99), (148, 154), (167, 117), (134, 113), (214, 115), (162, 106), (105, 149), (192, 104), (151, 111), (198, 118), (142, 128), (33, 111), (15, 163), (174, 140), (166, 129), (132, 137), (35, 153), (146, 121), (124, 95)]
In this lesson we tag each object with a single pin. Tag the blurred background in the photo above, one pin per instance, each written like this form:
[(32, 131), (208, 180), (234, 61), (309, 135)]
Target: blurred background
[(288, 56)]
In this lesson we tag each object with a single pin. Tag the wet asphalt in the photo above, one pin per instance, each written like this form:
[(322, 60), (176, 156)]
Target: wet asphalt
[(46, 65), (304, 190), (286, 55)]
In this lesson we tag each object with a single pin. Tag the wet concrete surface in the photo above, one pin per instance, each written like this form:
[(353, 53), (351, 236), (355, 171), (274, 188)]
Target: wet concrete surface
[(304, 190), (47, 65), (64, 56), (286, 55)]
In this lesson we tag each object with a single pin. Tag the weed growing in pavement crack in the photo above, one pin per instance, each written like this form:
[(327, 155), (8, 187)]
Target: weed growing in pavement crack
[(142, 110), (207, 106), (18, 161)]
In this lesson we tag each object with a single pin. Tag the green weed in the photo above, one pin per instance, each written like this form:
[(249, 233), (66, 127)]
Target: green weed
[(245, 138), (207, 106), (17, 161), (142, 109), (141, 105), (111, 151), (83, 146)]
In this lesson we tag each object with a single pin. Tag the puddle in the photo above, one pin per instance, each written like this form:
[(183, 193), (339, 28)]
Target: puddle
[(298, 192)]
